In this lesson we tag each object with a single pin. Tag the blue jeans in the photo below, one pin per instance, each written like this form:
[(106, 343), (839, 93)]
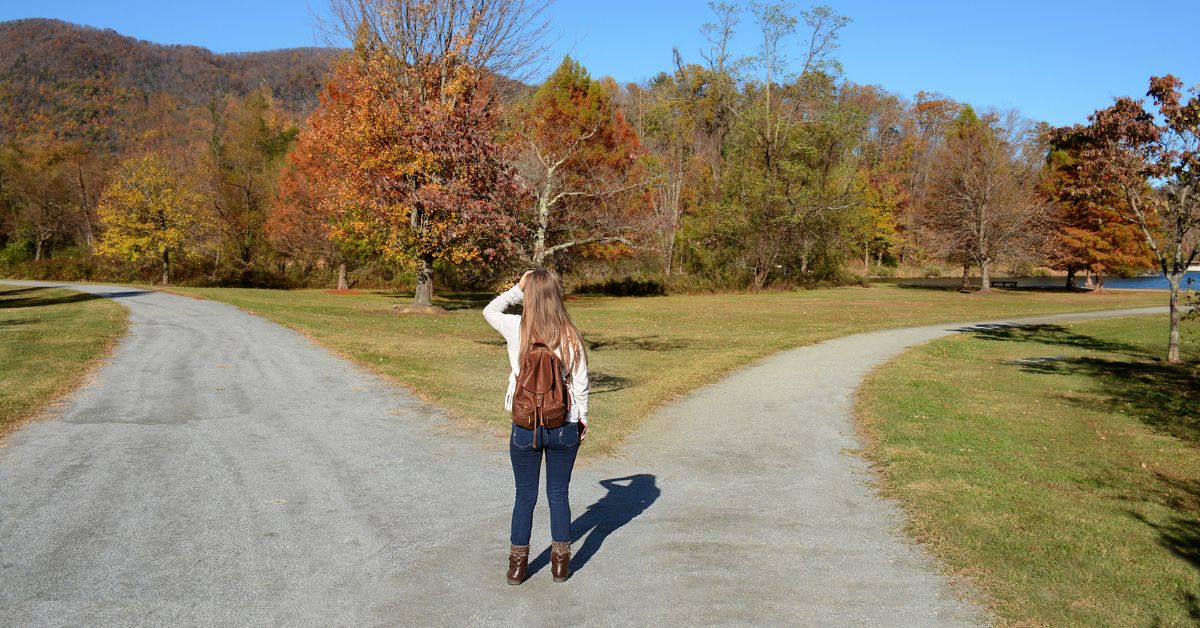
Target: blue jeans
[(560, 445)]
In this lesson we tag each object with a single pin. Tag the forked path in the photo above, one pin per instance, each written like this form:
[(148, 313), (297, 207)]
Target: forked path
[(223, 470)]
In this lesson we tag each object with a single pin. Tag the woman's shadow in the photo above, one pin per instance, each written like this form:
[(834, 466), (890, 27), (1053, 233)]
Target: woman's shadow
[(627, 498)]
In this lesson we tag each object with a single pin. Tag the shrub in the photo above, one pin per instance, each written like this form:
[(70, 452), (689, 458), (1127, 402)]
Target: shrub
[(14, 253)]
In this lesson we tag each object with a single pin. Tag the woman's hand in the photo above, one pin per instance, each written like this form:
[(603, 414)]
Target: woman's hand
[(582, 430), (521, 283)]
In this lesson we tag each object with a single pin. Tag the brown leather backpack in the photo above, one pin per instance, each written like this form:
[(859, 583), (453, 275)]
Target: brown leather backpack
[(541, 397)]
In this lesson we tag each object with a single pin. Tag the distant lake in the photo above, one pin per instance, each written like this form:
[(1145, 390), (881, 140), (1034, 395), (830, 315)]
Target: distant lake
[(1149, 282), (1155, 282)]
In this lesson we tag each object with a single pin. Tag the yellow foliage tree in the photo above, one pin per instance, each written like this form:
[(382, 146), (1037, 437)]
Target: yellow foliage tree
[(146, 212), (884, 198)]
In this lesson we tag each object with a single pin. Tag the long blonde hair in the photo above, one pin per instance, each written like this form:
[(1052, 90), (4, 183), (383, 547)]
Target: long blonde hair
[(546, 319)]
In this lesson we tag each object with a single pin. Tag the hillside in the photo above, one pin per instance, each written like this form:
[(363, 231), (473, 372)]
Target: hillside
[(80, 82)]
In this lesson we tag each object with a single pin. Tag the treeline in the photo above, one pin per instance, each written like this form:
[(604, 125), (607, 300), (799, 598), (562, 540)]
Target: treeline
[(723, 172)]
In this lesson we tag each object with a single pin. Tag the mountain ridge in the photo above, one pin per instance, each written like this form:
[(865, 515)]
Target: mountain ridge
[(73, 82)]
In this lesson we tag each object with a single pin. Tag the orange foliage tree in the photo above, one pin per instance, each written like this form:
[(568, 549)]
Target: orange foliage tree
[(1088, 233), (412, 178), (1154, 166), (301, 220), (581, 162)]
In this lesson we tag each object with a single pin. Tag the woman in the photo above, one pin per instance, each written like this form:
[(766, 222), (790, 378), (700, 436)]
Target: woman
[(545, 320)]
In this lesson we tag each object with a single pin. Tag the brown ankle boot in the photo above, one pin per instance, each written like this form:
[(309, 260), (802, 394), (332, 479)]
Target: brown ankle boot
[(560, 560), (518, 562)]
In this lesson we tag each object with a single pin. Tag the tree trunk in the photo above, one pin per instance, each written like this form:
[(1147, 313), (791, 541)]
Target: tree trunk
[(668, 258), (37, 251), (166, 267), (985, 281), (1173, 337), (1070, 279), (966, 279), (543, 222), (342, 284), (671, 201), (85, 205), (424, 291), (760, 278), (1099, 284)]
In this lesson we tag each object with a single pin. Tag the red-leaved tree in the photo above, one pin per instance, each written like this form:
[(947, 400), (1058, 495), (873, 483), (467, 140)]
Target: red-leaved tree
[(1154, 166), (412, 178)]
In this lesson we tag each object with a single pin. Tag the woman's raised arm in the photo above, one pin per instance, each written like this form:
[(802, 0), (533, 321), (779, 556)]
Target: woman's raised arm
[(493, 313)]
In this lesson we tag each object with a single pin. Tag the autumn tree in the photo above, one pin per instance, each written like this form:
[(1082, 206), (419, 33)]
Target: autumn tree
[(309, 202), (666, 122), (40, 192), (413, 180), (1087, 232), (883, 200), (411, 119), (299, 223), (146, 212), (52, 187), (709, 92), (1154, 166), (246, 149), (577, 157), (923, 130), (983, 198), (433, 38), (684, 118), (883, 161)]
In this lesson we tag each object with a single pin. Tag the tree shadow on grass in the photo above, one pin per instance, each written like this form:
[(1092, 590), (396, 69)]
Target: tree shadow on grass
[(1049, 335), (1161, 395), (36, 297), (1180, 532), (14, 291), (1192, 603), (601, 382), (627, 498), (638, 343), (446, 300), (930, 286)]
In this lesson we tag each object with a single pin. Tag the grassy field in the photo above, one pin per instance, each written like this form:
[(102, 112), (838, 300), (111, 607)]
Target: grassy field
[(642, 351), (49, 340), (1054, 466)]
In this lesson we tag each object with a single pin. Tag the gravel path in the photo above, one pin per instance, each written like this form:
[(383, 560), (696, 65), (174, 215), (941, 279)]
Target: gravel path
[(224, 470)]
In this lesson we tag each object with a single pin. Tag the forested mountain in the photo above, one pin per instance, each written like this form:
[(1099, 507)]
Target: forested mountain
[(79, 82)]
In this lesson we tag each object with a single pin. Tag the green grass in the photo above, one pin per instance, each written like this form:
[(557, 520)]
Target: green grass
[(1056, 467), (642, 351), (49, 340)]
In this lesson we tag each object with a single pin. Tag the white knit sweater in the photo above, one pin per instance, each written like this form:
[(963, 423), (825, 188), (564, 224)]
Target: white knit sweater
[(509, 326)]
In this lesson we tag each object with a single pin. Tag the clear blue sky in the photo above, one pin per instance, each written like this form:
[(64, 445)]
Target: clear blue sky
[(1053, 60)]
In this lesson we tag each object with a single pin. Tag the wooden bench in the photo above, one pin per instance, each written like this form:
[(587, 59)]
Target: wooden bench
[(1004, 284)]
